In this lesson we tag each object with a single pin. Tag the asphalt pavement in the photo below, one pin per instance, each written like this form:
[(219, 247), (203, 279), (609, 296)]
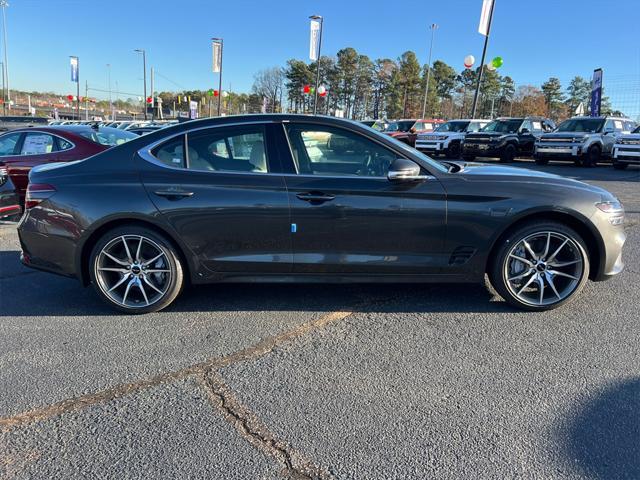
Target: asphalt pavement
[(273, 381)]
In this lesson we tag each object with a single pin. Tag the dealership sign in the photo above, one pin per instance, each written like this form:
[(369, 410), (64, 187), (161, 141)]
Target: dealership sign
[(314, 40), (74, 68), (596, 92)]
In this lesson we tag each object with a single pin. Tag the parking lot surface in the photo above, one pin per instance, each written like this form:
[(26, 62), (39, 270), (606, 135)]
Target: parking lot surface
[(272, 381)]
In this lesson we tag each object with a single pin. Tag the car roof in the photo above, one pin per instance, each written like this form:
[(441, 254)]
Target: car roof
[(601, 117)]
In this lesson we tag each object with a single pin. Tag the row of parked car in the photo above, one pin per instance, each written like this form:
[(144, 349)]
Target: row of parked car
[(583, 140)]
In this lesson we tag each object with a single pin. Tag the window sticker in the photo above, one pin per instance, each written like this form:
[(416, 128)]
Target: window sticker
[(37, 144)]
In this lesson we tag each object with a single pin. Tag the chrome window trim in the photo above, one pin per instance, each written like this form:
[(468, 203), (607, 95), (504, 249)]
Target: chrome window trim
[(50, 153), (145, 154)]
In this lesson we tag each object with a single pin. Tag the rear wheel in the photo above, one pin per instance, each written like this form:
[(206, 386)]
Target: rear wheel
[(136, 270), (540, 266), (508, 154), (592, 156)]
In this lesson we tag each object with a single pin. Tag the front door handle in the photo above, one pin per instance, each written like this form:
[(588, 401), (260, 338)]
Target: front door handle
[(173, 194), (315, 197)]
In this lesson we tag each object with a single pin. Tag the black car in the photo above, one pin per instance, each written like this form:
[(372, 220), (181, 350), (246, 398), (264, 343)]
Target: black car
[(506, 138), (9, 200), (266, 198)]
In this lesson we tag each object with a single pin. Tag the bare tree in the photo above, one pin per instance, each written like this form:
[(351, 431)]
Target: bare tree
[(269, 84)]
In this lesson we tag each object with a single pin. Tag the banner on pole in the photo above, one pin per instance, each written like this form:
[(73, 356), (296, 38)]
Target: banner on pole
[(485, 17), (596, 92), (74, 68), (217, 56), (314, 40), (193, 109)]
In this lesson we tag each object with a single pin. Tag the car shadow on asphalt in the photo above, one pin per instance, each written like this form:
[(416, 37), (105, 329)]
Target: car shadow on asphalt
[(602, 439), (27, 292)]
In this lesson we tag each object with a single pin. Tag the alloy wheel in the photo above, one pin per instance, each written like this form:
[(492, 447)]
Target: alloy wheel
[(544, 268), (133, 271)]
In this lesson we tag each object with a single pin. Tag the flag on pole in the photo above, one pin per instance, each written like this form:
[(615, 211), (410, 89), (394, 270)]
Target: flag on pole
[(217, 56), (596, 92), (314, 40), (485, 17), (74, 69)]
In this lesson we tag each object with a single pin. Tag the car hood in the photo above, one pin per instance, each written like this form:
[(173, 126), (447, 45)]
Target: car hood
[(480, 171), (396, 134), (486, 135)]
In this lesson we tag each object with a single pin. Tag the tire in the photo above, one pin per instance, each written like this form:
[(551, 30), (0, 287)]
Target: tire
[(469, 158), (509, 153), (453, 152), (566, 274), (139, 289), (620, 165), (592, 157), (541, 161)]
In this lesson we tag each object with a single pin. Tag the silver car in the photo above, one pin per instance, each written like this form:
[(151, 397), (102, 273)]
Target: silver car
[(447, 138)]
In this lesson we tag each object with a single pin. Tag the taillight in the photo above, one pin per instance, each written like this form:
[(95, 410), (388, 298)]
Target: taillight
[(36, 193), (3, 171)]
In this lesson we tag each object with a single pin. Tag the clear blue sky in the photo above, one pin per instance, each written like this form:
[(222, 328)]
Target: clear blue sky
[(537, 39)]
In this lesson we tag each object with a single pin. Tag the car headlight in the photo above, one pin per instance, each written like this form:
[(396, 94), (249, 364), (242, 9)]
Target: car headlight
[(581, 139), (614, 209)]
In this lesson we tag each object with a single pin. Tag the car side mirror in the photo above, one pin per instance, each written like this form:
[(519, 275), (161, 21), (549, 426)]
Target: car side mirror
[(525, 130), (403, 170), (413, 130)]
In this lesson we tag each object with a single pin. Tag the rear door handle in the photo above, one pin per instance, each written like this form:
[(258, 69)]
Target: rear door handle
[(315, 197), (173, 194)]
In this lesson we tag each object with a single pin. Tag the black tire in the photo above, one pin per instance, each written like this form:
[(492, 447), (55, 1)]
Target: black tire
[(542, 161), (499, 269), (170, 262), (469, 158), (453, 152), (592, 157), (508, 153), (620, 165)]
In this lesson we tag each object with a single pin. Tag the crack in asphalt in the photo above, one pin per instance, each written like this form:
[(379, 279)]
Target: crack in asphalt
[(255, 351), (254, 431)]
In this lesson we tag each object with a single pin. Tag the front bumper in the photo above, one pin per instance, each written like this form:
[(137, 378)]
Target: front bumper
[(432, 146), (481, 149), (563, 150), (626, 154), (613, 238)]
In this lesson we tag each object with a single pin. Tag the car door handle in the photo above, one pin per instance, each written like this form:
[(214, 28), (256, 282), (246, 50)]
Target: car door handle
[(173, 194), (315, 197)]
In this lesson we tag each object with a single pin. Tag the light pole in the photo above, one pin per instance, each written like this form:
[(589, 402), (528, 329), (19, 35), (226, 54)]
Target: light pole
[(319, 19), (484, 53), (433, 27), (109, 82), (3, 4), (218, 45), (144, 78), (4, 98)]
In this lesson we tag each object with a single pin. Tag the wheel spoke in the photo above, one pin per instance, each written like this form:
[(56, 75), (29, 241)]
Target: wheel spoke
[(529, 282), (138, 250), (521, 259), (118, 261), (126, 249), (144, 294), (564, 264), (148, 262), (157, 270), (553, 287), (553, 255), (541, 285), (562, 274), (113, 269), (522, 275), (529, 249), (146, 280), (126, 292), (120, 282), (547, 246)]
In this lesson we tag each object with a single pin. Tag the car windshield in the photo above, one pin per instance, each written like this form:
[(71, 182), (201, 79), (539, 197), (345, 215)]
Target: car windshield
[(452, 127), (503, 126), (590, 125), (401, 126), (108, 136)]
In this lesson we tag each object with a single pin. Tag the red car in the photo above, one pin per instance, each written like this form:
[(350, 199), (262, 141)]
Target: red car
[(407, 130), (25, 148)]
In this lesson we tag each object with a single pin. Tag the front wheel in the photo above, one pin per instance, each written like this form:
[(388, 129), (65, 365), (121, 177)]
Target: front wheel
[(508, 154), (540, 266), (453, 152), (136, 270), (592, 157)]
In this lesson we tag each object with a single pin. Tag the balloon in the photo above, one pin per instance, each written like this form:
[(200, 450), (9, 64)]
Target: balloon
[(497, 62), (490, 67), (225, 94), (469, 60), (321, 90)]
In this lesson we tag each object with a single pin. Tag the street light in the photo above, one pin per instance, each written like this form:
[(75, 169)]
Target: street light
[(433, 27), (315, 102), (3, 4), (144, 77)]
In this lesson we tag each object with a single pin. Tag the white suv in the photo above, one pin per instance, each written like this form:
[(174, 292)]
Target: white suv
[(627, 150), (447, 138)]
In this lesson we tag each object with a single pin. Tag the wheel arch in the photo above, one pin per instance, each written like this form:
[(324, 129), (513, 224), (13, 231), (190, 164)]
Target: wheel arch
[(84, 252), (574, 220)]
